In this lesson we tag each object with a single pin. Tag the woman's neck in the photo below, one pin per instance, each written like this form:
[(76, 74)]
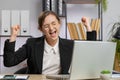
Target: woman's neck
[(52, 42)]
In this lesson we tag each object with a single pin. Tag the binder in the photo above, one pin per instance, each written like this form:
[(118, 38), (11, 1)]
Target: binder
[(54, 6), (5, 24), (61, 8), (15, 18), (46, 5), (24, 19)]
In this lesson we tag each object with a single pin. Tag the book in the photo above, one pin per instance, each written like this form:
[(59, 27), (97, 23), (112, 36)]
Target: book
[(46, 5), (93, 24), (61, 8), (82, 31), (77, 31), (54, 6), (97, 26), (73, 31), (70, 30)]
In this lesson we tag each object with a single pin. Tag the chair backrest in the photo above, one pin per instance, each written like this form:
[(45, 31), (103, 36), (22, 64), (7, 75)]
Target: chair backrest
[(21, 71)]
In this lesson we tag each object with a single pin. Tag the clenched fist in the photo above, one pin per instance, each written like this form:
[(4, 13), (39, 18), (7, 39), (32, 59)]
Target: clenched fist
[(14, 32), (86, 22)]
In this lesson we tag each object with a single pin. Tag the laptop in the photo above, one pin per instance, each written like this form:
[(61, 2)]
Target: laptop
[(89, 59)]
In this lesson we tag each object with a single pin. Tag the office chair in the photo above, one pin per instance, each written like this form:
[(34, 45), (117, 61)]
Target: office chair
[(21, 71), (116, 31), (117, 34)]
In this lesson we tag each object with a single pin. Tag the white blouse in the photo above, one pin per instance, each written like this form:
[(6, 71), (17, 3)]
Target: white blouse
[(51, 59)]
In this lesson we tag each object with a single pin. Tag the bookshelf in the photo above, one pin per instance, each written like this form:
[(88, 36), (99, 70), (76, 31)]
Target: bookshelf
[(98, 20), (80, 1)]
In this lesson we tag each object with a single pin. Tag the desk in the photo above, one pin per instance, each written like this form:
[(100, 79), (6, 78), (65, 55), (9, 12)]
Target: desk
[(37, 77), (43, 77), (30, 76)]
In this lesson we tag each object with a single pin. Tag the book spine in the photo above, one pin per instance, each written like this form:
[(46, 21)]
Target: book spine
[(82, 31), (46, 5), (54, 6), (61, 8)]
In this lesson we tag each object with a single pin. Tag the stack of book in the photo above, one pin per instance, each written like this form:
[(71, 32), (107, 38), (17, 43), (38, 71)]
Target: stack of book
[(57, 6), (77, 31)]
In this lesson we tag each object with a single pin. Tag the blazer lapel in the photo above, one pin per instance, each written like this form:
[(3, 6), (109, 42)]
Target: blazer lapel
[(62, 55), (39, 50), (66, 49)]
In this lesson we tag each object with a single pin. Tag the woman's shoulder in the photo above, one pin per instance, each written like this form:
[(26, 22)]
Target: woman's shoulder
[(66, 40), (35, 39)]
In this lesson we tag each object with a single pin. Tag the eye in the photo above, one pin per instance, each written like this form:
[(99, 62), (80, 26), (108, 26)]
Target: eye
[(45, 26), (53, 23)]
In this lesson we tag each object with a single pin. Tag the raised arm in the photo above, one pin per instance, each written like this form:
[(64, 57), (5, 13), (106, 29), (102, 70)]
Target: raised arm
[(91, 35), (11, 56), (14, 32), (86, 22)]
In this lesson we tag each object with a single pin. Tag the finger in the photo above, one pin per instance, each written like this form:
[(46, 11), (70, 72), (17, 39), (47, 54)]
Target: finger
[(83, 19), (18, 27)]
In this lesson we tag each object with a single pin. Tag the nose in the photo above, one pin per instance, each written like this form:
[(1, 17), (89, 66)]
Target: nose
[(50, 27)]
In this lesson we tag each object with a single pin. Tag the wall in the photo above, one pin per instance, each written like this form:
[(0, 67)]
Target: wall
[(110, 16)]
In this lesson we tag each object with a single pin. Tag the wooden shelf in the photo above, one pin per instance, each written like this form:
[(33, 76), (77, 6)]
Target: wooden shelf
[(80, 1)]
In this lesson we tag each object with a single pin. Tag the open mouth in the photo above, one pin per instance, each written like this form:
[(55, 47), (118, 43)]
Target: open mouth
[(53, 33)]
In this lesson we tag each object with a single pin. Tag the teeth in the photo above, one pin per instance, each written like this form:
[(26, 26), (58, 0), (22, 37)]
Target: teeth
[(53, 32)]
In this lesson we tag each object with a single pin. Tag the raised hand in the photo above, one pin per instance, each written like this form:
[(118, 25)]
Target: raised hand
[(86, 22), (14, 32)]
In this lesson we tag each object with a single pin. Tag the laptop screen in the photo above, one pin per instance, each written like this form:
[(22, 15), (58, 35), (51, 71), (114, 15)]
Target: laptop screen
[(90, 58)]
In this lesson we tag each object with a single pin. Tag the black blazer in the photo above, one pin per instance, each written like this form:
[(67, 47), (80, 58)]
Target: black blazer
[(33, 52)]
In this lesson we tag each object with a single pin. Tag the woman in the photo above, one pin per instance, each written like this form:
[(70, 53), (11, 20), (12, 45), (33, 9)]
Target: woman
[(48, 54)]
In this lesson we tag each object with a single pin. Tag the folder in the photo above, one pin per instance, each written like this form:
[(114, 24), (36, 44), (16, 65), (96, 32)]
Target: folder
[(46, 5), (5, 24), (54, 6), (24, 19), (61, 8), (15, 18)]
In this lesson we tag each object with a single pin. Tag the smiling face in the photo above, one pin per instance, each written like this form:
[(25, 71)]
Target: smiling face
[(51, 28)]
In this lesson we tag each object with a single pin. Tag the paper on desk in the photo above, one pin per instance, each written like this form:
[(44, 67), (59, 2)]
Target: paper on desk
[(1, 76), (115, 75), (21, 77)]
